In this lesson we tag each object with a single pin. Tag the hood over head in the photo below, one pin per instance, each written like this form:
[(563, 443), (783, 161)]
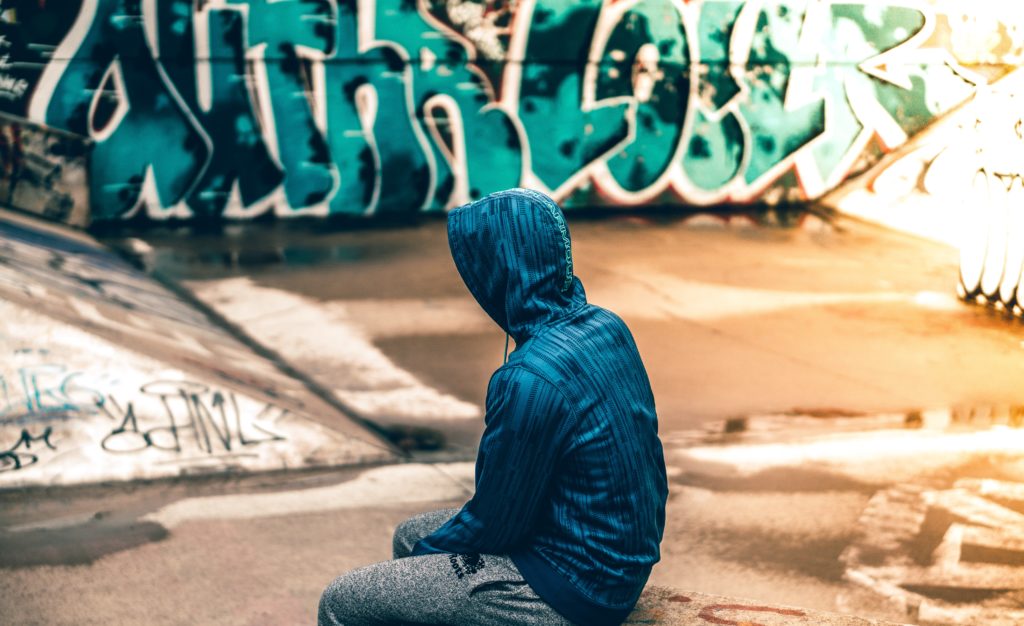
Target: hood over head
[(513, 251)]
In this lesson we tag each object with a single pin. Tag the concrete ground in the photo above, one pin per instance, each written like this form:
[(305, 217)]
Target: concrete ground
[(841, 433)]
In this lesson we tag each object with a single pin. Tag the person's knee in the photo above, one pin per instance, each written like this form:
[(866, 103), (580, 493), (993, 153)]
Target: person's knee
[(336, 604), (409, 532), (404, 538)]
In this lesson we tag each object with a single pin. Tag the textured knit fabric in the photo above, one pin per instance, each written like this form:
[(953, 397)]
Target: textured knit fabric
[(570, 475), (409, 532), (462, 590)]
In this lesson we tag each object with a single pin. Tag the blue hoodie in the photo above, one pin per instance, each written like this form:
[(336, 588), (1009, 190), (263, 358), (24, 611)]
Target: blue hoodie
[(570, 476)]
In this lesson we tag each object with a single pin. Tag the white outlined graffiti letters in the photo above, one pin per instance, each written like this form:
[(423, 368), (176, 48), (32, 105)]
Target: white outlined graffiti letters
[(646, 58), (283, 38), (107, 85), (216, 88), (319, 107)]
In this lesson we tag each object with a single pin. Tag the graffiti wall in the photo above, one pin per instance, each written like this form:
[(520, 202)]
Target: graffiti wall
[(960, 183), (237, 109)]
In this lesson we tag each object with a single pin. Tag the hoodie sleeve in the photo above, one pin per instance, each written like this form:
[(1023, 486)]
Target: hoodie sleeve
[(526, 424)]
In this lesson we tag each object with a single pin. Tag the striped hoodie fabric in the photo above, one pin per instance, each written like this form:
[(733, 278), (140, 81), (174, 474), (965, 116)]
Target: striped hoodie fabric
[(570, 475)]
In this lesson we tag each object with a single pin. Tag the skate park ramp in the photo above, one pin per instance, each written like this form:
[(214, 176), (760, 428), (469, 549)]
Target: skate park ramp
[(108, 375)]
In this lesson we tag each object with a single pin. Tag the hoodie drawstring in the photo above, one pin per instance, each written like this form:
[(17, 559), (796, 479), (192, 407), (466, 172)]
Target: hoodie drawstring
[(506, 349)]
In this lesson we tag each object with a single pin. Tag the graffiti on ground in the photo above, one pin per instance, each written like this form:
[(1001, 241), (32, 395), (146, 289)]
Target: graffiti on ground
[(233, 108), (77, 408), (189, 407), (159, 427), (949, 556), (44, 402), (50, 392), (20, 454)]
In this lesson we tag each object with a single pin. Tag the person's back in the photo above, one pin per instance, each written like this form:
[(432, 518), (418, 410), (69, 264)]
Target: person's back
[(570, 476), (605, 517)]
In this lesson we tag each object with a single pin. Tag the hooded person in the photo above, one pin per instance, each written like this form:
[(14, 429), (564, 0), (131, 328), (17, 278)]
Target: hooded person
[(569, 508)]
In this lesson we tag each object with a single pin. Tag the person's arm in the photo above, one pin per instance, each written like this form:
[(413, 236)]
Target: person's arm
[(526, 424)]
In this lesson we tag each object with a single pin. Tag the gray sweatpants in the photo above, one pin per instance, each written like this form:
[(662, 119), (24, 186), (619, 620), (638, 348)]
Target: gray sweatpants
[(455, 589)]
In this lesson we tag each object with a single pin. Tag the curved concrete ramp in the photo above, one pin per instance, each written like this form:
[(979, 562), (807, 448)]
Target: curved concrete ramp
[(107, 375)]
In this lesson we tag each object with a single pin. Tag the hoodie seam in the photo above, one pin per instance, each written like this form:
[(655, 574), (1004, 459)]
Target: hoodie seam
[(561, 393)]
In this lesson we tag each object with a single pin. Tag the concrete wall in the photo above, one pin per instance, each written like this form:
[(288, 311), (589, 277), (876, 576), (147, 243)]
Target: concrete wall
[(235, 109), (960, 183)]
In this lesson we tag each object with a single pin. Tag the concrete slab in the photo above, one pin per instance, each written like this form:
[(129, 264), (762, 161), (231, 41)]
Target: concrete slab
[(325, 343), (106, 374)]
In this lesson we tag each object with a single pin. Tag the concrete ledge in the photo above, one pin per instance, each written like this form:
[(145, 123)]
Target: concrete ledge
[(663, 605)]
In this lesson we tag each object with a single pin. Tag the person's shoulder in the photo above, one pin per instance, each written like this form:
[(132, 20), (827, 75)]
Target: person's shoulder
[(607, 316), (522, 371), (531, 385), (606, 323)]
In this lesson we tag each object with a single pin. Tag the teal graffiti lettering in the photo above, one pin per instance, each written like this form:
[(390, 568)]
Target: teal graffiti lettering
[(647, 57), (910, 92), (241, 164), (376, 145), (231, 108), (563, 137), (714, 148), (114, 90), (285, 32), (777, 128), (476, 149)]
